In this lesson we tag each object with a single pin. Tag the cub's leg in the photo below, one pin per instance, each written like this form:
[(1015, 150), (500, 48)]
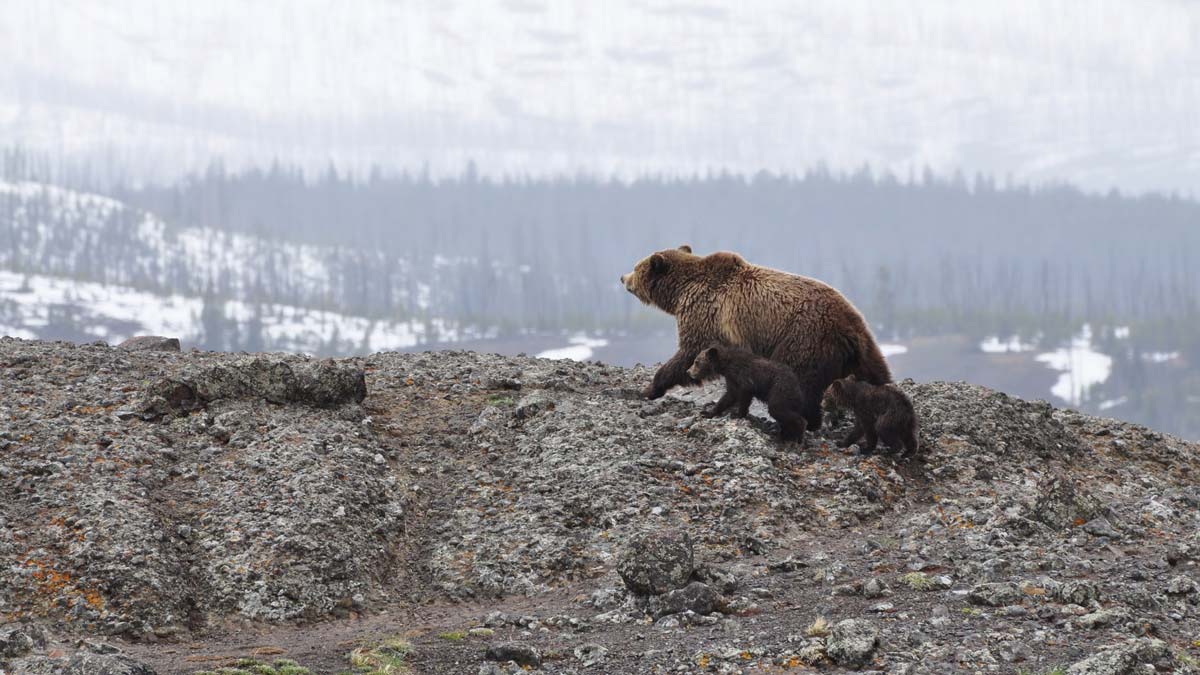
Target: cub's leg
[(856, 432), (872, 440), (743, 410), (726, 402)]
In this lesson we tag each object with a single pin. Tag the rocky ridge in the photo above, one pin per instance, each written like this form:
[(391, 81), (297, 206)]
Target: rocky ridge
[(548, 518)]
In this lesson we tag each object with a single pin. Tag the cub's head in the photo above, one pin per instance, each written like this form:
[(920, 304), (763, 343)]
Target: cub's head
[(837, 395), (657, 279), (706, 365)]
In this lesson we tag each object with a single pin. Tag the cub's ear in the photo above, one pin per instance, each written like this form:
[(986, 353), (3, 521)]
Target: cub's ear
[(711, 353), (851, 378), (685, 248), (658, 263)]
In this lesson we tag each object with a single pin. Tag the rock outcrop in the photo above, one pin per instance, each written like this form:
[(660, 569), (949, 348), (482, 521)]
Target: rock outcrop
[(158, 496)]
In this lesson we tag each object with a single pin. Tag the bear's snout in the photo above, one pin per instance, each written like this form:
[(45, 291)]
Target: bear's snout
[(627, 281)]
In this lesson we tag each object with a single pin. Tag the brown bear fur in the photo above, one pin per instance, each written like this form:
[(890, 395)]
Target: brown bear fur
[(748, 377), (881, 412), (798, 321)]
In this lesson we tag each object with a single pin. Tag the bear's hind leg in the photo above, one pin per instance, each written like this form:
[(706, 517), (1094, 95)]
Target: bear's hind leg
[(791, 423), (911, 444), (899, 435)]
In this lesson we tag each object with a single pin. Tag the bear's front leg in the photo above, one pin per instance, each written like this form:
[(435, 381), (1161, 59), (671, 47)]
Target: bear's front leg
[(744, 402), (672, 374), (856, 432), (720, 406)]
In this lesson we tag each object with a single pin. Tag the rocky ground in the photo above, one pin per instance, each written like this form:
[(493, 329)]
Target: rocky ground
[(169, 512)]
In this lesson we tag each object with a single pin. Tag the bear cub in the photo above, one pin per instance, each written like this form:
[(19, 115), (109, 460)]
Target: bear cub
[(880, 412), (748, 377)]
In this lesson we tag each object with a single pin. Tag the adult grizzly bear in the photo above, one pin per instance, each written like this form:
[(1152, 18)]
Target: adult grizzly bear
[(795, 320)]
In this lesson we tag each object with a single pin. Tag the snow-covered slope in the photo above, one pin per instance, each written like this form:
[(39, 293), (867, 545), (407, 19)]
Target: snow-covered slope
[(38, 306), (56, 231), (82, 266), (1101, 93)]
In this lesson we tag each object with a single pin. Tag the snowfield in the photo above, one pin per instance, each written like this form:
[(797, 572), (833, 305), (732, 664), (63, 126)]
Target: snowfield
[(38, 306)]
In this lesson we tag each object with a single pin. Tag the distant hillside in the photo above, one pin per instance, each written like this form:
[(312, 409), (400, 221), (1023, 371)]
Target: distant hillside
[(81, 266)]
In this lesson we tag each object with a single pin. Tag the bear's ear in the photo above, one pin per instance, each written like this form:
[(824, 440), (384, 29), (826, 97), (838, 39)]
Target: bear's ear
[(851, 378), (711, 353), (685, 248), (658, 263)]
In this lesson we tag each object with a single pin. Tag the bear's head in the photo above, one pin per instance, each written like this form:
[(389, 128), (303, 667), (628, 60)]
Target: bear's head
[(837, 395), (707, 365), (658, 278)]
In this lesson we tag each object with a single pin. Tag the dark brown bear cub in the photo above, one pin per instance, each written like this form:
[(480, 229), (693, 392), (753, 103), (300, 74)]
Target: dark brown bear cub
[(748, 377), (880, 412)]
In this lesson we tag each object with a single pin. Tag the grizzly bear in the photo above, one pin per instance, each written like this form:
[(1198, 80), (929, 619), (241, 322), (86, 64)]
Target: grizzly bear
[(880, 412), (795, 320), (748, 377)]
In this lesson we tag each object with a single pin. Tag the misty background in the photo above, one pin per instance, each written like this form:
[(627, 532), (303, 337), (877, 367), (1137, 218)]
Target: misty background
[(1008, 192)]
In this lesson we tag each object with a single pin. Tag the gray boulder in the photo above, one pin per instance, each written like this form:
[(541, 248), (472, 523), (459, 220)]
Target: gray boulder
[(1181, 585), (1062, 504), (520, 654), (851, 642), (696, 597), (81, 663), (276, 380), (995, 594), (150, 343), (1122, 659), (1082, 593), (654, 563), (19, 640)]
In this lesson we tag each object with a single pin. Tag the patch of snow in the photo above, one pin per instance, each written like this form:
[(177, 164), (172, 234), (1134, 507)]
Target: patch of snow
[(1121, 332), (1160, 357), (60, 228), (1081, 367), (892, 349), (113, 313), (1113, 402), (580, 349), (993, 345)]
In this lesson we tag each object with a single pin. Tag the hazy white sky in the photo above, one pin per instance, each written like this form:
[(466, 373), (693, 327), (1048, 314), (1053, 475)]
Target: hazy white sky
[(1096, 92)]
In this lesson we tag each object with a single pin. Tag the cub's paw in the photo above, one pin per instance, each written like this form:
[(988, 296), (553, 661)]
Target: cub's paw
[(709, 410)]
